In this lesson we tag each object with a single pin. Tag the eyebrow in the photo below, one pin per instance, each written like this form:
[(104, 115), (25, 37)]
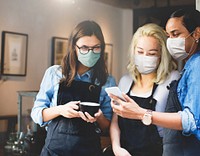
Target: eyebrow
[(148, 50), (153, 50), (92, 46), (173, 31)]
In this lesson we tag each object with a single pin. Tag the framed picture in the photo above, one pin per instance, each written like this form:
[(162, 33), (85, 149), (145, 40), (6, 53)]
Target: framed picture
[(14, 53), (59, 48), (108, 57)]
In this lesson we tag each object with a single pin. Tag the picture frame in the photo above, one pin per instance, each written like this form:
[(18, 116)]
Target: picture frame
[(14, 53), (109, 56), (59, 48)]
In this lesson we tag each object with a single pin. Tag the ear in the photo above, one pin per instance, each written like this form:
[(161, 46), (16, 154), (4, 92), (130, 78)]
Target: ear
[(197, 33)]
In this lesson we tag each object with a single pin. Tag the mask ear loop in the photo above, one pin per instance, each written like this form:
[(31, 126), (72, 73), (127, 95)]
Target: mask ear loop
[(191, 48), (196, 41), (189, 35)]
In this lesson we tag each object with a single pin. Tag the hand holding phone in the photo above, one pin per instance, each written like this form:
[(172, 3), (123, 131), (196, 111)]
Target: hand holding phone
[(115, 91)]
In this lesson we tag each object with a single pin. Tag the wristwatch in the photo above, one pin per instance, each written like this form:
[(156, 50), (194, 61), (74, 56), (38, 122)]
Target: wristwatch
[(147, 118)]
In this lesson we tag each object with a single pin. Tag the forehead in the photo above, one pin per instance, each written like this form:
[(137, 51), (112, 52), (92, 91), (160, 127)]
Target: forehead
[(88, 40), (174, 24), (147, 42)]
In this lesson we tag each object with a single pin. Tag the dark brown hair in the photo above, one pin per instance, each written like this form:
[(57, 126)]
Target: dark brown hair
[(70, 61), (191, 18)]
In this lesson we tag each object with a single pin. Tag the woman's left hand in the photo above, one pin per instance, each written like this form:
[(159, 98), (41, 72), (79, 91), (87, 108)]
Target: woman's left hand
[(88, 118)]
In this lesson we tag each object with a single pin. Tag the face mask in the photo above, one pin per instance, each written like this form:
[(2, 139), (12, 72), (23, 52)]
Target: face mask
[(176, 47), (89, 59), (146, 64)]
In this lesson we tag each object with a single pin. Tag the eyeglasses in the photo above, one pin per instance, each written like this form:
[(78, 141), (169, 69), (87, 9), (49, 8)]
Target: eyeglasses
[(85, 49)]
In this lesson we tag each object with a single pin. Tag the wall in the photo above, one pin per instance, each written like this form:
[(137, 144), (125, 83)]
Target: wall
[(43, 19)]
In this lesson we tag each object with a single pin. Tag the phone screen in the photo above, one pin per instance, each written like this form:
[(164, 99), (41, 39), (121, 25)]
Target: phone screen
[(115, 91)]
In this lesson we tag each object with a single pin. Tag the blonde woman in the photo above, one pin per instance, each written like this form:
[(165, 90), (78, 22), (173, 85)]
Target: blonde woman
[(151, 69)]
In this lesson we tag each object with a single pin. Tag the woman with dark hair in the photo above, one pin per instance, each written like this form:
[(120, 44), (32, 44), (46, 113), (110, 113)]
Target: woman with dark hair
[(181, 136), (82, 77)]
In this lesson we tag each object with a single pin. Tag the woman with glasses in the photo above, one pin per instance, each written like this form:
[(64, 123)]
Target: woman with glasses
[(83, 77)]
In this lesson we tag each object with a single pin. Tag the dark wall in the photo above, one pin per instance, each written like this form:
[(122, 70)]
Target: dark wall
[(154, 15)]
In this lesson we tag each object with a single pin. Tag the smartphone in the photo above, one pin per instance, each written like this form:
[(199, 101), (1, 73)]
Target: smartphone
[(115, 91)]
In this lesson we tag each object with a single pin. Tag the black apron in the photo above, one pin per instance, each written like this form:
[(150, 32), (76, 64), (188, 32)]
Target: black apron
[(174, 143), (137, 138), (73, 137)]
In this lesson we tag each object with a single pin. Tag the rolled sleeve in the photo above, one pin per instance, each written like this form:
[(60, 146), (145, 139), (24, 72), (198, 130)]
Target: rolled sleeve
[(188, 122), (47, 95), (36, 115)]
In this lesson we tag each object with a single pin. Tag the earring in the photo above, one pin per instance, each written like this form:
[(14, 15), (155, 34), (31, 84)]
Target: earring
[(197, 40)]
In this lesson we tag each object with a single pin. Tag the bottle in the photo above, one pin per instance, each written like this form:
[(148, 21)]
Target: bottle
[(29, 140)]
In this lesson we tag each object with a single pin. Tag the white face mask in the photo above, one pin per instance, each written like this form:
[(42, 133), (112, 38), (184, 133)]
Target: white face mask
[(146, 64), (176, 47)]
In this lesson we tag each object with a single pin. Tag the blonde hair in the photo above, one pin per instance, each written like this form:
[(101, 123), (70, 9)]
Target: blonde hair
[(166, 64)]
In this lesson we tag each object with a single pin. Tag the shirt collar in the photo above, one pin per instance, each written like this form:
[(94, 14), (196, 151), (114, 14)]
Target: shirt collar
[(87, 74)]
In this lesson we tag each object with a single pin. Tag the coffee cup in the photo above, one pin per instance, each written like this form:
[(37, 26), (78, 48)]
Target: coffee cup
[(90, 107)]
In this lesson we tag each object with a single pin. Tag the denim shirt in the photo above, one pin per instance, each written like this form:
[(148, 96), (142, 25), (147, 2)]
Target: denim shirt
[(47, 95), (189, 96)]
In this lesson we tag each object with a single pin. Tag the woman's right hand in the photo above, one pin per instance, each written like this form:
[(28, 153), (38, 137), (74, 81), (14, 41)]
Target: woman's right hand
[(127, 109), (121, 152), (69, 110)]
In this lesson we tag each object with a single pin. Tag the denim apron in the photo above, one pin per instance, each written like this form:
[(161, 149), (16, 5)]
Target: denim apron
[(137, 138), (73, 136), (174, 143)]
